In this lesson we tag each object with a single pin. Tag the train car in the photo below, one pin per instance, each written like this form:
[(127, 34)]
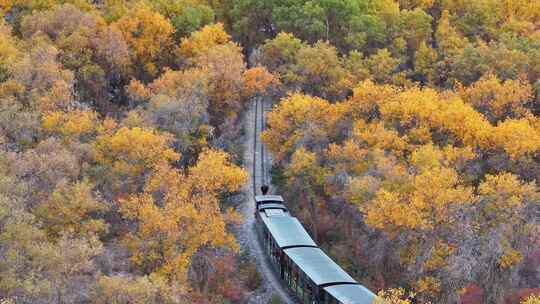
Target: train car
[(269, 202), (309, 273), (347, 294), (266, 199)]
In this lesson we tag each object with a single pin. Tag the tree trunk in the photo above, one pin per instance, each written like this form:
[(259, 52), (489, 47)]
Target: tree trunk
[(314, 218)]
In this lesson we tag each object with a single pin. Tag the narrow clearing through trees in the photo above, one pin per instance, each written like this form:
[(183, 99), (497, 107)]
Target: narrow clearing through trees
[(258, 163)]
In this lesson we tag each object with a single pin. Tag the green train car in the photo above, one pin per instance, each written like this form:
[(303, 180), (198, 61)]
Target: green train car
[(309, 273)]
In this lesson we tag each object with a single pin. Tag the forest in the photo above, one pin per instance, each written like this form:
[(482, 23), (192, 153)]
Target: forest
[(405, 136)]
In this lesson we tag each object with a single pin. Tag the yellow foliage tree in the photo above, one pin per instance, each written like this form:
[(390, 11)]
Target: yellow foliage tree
[(212, 54), (394, 296), (203, 40), (367, 98), (417, 107), (292, 115), (38, 80), (517, 137), (422, 212), (224, 67), (434, 196), (258, 80), (510, 259), (305, 177), (424, 111), (320, 72), (149, 35), (129, 290), (8, 5), (347, 157), (375, 135), (137, 91), (503, 226), (175, 84), (497, 99), (70, 208), (428, 287), (8, 48), (504, 197), (71, 125), (532, 300), (179, 214), (130, 153)]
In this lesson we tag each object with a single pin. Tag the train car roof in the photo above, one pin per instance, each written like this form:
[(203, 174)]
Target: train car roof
[(287, 231), (351, 294), (318, 266), (268, 198), (271, 206)]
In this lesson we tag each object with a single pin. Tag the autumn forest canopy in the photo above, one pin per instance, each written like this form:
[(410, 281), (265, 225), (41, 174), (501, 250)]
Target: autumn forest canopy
[(405, 136)]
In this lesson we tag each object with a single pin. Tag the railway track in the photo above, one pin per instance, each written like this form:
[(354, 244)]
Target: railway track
[(261, 163), (297, 260), (258, 162)]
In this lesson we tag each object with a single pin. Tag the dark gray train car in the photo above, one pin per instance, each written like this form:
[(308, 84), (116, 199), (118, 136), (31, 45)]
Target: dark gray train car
[(308, 272), (279, 230), (270, 201), (265, 199), (317, 279), (347, 294)]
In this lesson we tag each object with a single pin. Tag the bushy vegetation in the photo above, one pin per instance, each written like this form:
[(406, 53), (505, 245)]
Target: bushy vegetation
[(119, 153), (413, 156), (405, 135)]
